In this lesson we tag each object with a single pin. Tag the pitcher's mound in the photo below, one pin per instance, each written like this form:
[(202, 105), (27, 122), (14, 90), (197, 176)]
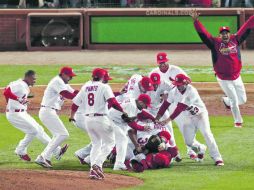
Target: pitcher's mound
[(64, 180)]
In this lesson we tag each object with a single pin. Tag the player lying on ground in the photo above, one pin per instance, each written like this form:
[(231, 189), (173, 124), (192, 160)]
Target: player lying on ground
[(156, 153)]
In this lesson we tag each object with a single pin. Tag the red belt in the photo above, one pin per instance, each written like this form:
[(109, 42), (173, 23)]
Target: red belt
[(95, 114), (17, 110)]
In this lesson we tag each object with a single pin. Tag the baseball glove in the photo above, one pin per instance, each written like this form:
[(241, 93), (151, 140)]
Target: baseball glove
[(153, 143), (127, 119)]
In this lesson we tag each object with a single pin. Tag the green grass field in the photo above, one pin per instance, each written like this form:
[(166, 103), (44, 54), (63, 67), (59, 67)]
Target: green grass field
[(236, 145), (119, 73)]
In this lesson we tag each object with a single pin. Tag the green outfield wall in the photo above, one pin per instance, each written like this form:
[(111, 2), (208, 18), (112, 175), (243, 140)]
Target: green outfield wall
[(120, 28), (154, 29)]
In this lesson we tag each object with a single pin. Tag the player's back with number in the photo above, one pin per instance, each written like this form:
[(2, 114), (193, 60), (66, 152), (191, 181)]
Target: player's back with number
[(93, 96)]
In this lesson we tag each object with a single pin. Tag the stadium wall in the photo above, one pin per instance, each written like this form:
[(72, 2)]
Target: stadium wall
[(13, 29)]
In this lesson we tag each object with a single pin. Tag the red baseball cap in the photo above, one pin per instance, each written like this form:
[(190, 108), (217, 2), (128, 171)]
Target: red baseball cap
[(181, 79), (155, 78), (68, 71), (106, 76), (146, 83), (162, 58), (146, 99), (165, 135), (224, 28), (99, 73)]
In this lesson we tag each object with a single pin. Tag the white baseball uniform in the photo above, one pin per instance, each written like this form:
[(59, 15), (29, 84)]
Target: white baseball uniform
[(120, 127), (171, 74), (52, 101), (156, 104), (132, 88), (195, 117), (95, 94), (17, 115)]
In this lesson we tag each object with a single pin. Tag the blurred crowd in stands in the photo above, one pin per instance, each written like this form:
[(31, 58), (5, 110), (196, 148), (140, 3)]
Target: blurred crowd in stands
[(123, 3)]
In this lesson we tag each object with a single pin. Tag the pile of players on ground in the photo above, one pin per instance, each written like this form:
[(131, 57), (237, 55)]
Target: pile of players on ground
[(143, 133), (132, 127)]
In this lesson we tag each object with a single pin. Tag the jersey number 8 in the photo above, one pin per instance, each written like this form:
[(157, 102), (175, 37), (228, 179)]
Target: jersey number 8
[(90, 98)]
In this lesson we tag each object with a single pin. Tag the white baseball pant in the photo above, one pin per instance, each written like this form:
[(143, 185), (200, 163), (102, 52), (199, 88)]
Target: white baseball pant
[(51, 120), (100, 131), (179, 122), (27, 124), (121, 140), (80, 123), (235, 91), (200, 122)]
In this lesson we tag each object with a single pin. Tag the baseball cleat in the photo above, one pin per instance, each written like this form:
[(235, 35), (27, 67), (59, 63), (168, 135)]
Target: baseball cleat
[(219, 163), (193, 156), (238, 125), (178, 158), (62, 151), (224, 102), (118, 167), (24, 157), (98, 170), (94, 175), (201, 153), (200, 157), (43, 162)]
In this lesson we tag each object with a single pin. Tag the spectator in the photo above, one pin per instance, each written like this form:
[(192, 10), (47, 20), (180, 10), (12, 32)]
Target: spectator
[(77, 3), (25, 3), (49, 3), (200, 3), (239, 3)]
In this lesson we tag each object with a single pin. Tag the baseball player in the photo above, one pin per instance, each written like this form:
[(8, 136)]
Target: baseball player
[(168, 72), (135, 86), (16, 94), (195, 117), (227, 62), (94, 96), (79, 121), (160, 87), (132, 107), (56, 92)]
